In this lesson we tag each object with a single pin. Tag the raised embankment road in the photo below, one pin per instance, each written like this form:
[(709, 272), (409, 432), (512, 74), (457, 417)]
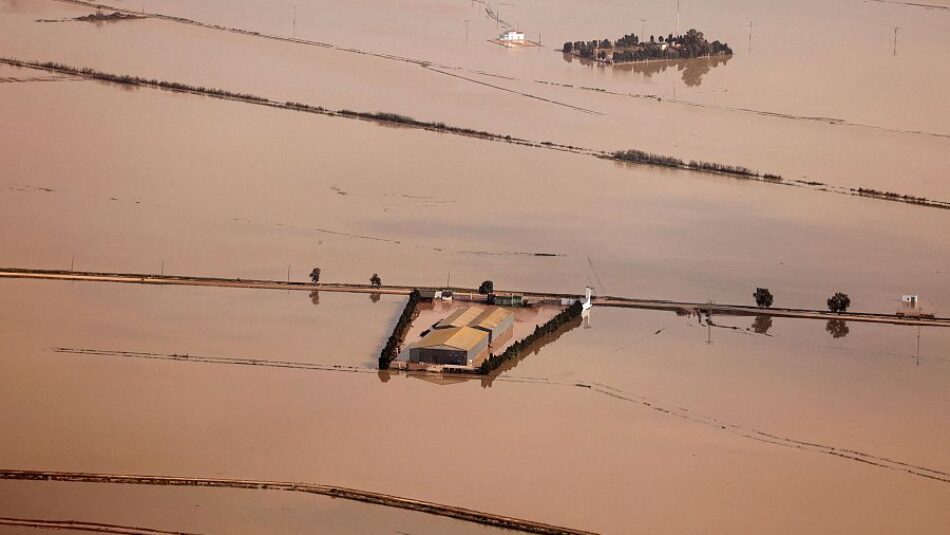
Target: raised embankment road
[(459, 513), (609, 301)]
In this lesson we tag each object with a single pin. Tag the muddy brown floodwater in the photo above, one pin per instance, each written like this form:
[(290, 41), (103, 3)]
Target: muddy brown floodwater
[(628, 422), (813, 100), (219, 198), (606, 460)]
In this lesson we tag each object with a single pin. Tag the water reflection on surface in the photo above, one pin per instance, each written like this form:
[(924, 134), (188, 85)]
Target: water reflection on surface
[(837, 328), (762, 324), (693, 69)]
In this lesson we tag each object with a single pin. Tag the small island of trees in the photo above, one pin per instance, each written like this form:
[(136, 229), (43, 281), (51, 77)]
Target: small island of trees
[(693, 44)]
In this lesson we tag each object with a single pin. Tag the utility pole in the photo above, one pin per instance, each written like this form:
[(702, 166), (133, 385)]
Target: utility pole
[(163, 266), (643, 23), (677, 18), (918, 345), (295, 21), (466, 29), (895, 39), (750, 36), (288, 273), (72, 262)]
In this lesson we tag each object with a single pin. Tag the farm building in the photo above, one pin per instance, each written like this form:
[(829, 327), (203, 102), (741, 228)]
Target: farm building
[(495, 321), (511, 36), (453, 345), (462, 317)]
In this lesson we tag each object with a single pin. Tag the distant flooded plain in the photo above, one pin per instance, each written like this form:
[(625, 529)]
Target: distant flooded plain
[(625, 422), (773, 108)]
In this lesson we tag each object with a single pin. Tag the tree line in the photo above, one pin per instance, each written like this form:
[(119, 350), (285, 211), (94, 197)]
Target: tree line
[(391, 349), (514, 350)]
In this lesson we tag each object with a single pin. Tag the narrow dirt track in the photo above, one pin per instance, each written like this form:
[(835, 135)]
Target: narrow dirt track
[(607, 301)]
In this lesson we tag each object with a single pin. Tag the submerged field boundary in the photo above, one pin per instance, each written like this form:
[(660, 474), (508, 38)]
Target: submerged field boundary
[(375, 498), (617, 394), (606, 301), (80, 525), (631, 156)]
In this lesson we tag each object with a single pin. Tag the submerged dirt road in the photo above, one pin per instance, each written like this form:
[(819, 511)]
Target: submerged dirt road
[(459, 513), (609, 301)]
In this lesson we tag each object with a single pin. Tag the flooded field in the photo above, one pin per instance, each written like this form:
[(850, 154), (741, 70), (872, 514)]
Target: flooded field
[(594, 453), (219, 199), (780, 114), (206, 511), (623, 422)]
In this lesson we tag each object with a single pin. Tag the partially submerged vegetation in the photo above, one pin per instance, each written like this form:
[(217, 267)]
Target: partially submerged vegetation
[(493, 361), (639, 156), (391, 349), (387, 118), (100, 16), (629, 48)]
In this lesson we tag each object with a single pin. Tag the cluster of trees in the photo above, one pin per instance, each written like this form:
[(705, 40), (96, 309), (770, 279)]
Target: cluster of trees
[(693, 44), (639, 156), (395, 118), (391, 349), (890, 195), (100, 16), (514, 350), (486, 287), (375, 281), (838, 303), (723, 168)]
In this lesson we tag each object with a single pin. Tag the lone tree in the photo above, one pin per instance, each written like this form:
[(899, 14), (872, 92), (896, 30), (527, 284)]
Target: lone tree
[(315, 275), (375, 281), (486, 288), (839, 303), (763, 297), (568, 47)]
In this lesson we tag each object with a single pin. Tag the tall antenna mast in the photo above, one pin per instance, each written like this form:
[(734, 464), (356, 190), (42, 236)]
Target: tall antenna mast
[(677, 17), (895, 39)]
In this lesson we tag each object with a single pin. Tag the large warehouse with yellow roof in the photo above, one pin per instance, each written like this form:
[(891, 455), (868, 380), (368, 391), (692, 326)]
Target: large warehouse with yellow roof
[(462, 336)]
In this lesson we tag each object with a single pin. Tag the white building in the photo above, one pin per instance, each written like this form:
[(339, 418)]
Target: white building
[(512, 36)]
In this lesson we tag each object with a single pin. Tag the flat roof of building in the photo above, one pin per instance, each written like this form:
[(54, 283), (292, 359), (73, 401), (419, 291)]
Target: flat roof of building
[(491, 318), (461, 317), (464, 338)]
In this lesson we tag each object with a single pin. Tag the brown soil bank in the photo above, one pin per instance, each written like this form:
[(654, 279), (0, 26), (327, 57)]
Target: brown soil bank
[(459, 513)]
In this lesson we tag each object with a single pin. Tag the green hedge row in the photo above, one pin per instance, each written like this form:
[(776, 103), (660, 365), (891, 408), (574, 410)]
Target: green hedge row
[(391, 350), (514, 350)]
